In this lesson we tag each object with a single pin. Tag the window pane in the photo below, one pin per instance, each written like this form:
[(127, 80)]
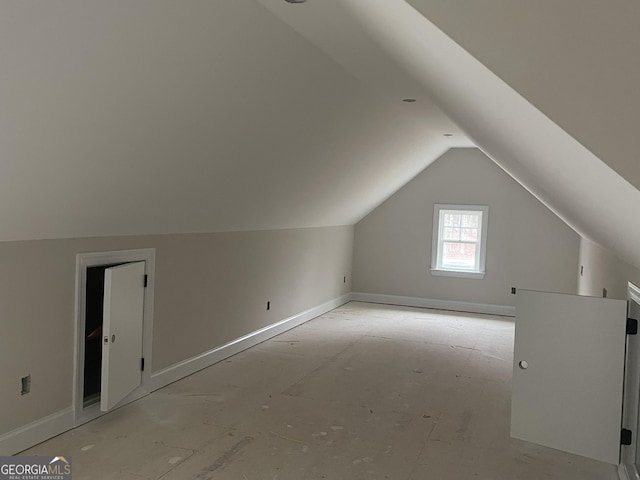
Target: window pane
[(451, 220), (459, 255), (470, 221), (470, 234), (449, 233)]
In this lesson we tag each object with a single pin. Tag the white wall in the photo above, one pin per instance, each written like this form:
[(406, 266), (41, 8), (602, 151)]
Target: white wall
[(602, 269), (527, 245), (209, 289)]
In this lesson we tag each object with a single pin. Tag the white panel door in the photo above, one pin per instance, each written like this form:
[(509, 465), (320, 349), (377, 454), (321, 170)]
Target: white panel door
[(122, 332), (632, 382), (569, 396)]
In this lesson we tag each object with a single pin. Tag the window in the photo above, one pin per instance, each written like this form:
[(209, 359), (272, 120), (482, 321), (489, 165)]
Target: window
[(459, 240)]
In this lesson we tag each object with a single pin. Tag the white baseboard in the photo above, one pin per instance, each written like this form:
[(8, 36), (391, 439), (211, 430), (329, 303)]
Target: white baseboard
[(40, 430), (45, 428), (628, 472), (187, 367), (33, 433), (455, 306)]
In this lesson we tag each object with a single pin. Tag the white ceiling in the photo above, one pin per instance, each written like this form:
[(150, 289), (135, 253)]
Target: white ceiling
[(575, 60), (570, 179), (158, 116), (578, 186), (162, 117)]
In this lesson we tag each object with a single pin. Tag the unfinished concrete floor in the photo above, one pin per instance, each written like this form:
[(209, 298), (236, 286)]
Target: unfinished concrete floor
[(363, 392)]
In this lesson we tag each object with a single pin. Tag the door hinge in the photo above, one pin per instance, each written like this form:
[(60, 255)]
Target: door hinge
[(632, 326), (142, 364), (146, 280), (625, 437)]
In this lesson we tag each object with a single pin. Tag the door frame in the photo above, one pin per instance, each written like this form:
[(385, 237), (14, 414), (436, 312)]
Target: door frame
[(83, 262), (631, 408)]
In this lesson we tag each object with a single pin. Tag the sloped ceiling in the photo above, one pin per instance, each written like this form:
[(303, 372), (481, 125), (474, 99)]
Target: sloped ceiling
[(157, 116), (559, 112), (571, 180), (575, 60)]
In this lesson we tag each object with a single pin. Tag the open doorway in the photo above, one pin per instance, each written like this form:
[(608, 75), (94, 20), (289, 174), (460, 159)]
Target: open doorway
[(93, 319), (112, 346)]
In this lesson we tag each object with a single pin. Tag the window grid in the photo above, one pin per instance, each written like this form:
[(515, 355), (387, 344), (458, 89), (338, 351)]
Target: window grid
[(461, 239), (456, 223)]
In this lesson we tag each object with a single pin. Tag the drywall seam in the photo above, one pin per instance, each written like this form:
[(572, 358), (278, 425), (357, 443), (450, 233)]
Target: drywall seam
[(452, 305), (35, 432), (187, 367)]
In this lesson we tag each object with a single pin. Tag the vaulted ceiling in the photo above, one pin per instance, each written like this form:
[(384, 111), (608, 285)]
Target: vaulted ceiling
[(158, 116), (524, 106), (576, 60)]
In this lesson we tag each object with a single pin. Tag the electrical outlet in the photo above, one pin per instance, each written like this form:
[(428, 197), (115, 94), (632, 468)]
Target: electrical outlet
[(26, 385), (513, 290)]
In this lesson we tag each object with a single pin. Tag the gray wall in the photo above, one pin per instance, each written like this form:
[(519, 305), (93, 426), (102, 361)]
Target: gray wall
[(210, 288), (527, 245), (602, 269)]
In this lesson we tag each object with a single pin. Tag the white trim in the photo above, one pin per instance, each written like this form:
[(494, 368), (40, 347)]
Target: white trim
[(45, 428), (631, 401), (83, 261), (628, 472), (456, 273), (633, 292), (187, 367), (481, 253), (420, 302), (91, 412), (35, 432), (40, 430)]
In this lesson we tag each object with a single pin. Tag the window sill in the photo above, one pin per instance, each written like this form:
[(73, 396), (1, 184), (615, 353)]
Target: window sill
[(456, 273)]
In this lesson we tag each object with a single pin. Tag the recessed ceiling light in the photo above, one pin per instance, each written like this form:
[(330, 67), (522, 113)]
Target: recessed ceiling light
[(448, 134), (295, 1), (409, 100)]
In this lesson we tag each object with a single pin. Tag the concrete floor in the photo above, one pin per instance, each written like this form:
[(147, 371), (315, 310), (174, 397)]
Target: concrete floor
[(363, 392)]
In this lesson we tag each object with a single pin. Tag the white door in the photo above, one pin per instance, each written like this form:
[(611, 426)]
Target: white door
[(632, 382), (568, 373), (631, 454), (122, 332)]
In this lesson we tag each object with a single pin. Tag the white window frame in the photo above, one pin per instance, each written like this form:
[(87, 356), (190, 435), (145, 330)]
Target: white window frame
[(436, 246)]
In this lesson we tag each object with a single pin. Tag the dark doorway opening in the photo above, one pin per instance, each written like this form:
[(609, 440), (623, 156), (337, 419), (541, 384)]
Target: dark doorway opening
[(93, 333)]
